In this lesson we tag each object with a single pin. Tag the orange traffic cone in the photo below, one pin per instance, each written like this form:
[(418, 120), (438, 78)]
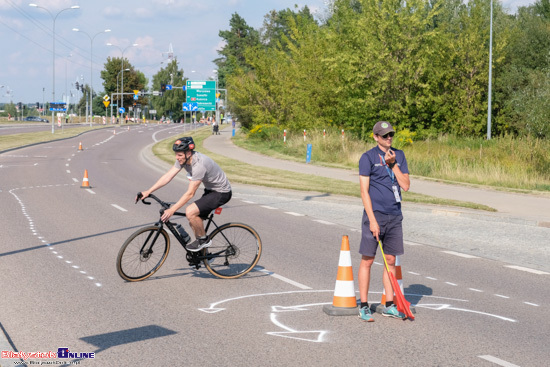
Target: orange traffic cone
[(85, 182), (80, 146), (344, 302)]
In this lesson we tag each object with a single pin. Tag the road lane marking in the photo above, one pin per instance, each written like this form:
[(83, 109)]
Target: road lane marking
[(538, 272), (286, 280), (501, 296), (476, 290), (531, 304), (75, 180), (449, 283), (68, 171), (323, 222), (268, 207), (295, 214), (119, 208), (498, 361), (90, 191), (248, 202), (461, 255)]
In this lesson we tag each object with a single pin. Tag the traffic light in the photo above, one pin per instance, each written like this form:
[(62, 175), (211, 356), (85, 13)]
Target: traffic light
[(19, 105), (37, 105), (77, 85), (163, 88)]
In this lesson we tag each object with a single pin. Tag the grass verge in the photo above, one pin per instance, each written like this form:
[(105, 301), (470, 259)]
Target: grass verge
[(239, 172)]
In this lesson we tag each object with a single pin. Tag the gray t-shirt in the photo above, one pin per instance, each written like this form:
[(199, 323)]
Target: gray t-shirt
[(206, 170)]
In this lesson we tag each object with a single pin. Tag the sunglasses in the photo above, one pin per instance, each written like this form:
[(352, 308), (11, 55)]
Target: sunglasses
[(387, 135)]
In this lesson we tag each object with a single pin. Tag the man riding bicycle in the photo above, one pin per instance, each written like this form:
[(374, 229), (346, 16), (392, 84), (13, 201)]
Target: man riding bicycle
[(200, 169)]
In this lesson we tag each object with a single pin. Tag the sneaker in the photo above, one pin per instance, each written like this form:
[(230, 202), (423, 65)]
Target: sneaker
[(392, 312), (366, 315), (199, 244)]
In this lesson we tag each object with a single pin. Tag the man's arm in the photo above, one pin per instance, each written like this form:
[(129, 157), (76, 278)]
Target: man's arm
[(402, 178), (191, 190), (162, 181), (364, 182)]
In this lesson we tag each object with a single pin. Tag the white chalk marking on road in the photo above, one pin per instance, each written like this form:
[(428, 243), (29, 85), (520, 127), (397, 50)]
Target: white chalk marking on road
[(501, 296), (286, 280), (538, 272), (68, 262), (268, 207), (90, 191), (76, 266), (466, 256), (449, 283), (82, 272), (98, 284), (531, 304), (476, 290), (75, 180), (323, 222), (119, 208), (59, 256), (498, 361), (66, 164), (295, 214), (91, 278), (54, 252), (68, 171)]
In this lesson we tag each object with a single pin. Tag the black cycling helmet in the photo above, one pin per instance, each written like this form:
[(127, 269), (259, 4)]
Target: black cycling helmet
[(184, 144)]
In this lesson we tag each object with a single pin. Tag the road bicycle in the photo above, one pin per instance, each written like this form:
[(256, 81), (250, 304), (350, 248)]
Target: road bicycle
[(236, 248)]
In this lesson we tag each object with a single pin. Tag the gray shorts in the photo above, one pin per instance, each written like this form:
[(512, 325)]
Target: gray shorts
[(391, 235)]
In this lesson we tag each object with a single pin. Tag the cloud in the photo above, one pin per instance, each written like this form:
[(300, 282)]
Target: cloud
[(112, 12)]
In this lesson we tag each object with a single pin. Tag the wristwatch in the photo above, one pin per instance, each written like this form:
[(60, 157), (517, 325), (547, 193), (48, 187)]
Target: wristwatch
[(391, 165)]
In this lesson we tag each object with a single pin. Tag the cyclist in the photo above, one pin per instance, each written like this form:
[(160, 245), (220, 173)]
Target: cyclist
[(200, 169)]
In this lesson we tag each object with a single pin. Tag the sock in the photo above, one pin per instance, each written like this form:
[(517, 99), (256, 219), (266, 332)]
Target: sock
[(389, 303), (364, 304)]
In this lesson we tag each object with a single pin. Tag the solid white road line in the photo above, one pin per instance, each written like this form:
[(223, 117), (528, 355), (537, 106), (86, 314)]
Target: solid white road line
[(295, 214), (286, 280), (538, 272), (498, 361), (119, 208), (461, 255)]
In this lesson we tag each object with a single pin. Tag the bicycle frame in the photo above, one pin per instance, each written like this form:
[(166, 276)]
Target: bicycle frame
[(194, 258)]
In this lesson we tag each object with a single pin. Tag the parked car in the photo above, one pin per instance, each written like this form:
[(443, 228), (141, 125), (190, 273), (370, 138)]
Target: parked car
[(35, 118)]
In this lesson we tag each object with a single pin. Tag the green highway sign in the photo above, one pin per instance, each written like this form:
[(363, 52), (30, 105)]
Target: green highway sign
[(203, 93)]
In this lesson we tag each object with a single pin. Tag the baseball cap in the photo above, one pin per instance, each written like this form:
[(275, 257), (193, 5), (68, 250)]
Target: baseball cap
[(382, 128)]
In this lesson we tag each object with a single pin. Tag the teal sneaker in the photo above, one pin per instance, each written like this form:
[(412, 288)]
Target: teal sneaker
[(392, 312), (366, 315)]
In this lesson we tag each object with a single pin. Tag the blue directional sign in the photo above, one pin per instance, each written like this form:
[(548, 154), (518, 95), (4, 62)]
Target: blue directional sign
[(184, 87), (58, 106), (136, 96), (168, 87), (121, 110)]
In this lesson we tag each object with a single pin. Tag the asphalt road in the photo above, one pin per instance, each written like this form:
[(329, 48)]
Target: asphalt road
[(61, 289)]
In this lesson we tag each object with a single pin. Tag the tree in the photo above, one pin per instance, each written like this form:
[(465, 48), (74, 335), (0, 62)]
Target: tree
[(133, 80), (238, 39), (170, 103)]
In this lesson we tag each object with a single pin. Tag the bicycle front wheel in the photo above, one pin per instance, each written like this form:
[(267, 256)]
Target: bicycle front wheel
[(142, 254), (236, 248)]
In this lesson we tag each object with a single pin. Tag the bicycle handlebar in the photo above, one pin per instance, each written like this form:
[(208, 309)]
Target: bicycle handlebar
[(139, 196)]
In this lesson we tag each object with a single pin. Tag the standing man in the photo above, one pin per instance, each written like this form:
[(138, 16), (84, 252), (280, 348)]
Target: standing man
[(200, 169), (383, 172)]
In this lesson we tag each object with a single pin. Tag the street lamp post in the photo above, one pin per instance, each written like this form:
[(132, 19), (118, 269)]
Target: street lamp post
[(118, 97), (490, 74), (215, 71), (122, 70), (91, 74), (54, 18)]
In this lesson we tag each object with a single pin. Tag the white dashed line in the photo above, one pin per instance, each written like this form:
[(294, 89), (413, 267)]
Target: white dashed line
[(431, 278), (501, 296), (68, 171), (538, 272), (268, 207), (286, 280), (412, 273), (466, 256), (75, 180), (295, 214), (90, 191), (323, 222), (476, 290), (498, 361), (248, 202), (531, 304), (119, 208), (449, 283)]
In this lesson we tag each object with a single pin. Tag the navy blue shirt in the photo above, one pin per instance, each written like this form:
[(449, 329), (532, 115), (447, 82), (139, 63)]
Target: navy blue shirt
[(372, 164)]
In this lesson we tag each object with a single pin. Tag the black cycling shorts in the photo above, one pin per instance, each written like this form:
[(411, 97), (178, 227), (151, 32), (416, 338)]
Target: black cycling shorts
[(211, 200)]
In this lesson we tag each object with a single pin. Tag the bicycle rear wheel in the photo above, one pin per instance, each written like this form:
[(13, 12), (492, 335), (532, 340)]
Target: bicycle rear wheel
[(236, 248), (143, 253)]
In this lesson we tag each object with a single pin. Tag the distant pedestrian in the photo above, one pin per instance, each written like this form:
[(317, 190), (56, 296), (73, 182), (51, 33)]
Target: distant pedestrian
[(383, 172)]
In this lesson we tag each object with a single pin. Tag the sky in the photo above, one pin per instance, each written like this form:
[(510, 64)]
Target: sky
[(191, 27)]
